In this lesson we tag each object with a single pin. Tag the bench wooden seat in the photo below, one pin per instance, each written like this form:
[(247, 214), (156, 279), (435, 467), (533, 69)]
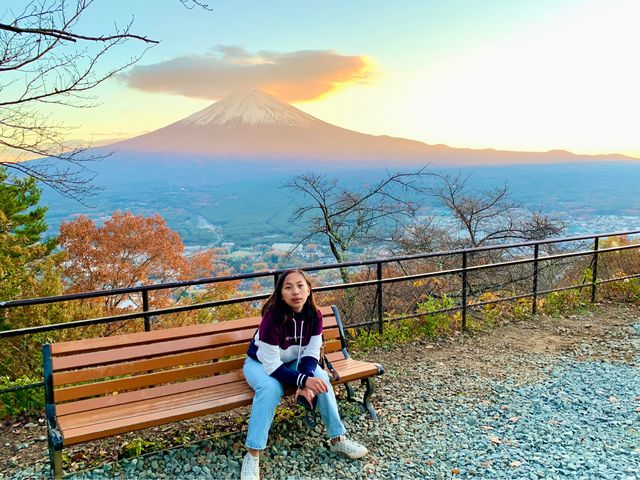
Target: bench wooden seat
[(101, 387)]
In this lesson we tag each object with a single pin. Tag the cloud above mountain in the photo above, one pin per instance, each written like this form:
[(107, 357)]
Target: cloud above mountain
[(292, 77)]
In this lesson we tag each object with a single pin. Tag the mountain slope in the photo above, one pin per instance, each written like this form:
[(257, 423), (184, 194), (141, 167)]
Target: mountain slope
[(257, 125)]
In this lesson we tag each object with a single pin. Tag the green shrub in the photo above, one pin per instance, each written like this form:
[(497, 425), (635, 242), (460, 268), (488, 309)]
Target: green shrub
[(564, 302), (29, 401), (408, 329), (437, 323)]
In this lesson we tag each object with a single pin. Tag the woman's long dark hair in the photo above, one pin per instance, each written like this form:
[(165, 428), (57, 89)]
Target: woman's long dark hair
[(276, 305)]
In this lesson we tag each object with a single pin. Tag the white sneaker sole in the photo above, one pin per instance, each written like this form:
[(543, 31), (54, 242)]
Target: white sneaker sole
[(352, 456)]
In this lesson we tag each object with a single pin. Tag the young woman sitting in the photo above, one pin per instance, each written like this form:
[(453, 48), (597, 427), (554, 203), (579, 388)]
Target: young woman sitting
[(284, 353)]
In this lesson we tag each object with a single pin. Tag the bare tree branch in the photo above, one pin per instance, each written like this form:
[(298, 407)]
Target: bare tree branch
[(73, 37), (45, 60), (191, 4), (490, 216), (350, 217), (482, 217)]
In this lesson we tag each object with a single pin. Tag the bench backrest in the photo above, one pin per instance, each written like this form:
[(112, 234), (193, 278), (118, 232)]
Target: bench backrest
[(82, 370)]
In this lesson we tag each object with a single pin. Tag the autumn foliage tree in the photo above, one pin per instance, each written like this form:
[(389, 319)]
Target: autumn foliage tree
[(128, 250)]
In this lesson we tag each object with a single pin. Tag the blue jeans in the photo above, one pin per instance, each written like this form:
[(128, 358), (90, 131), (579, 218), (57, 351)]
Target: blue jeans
[(268, 393)]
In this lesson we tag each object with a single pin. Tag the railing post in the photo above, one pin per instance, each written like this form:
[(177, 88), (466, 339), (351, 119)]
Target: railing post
[(594, 272), (464, 291), (534, 305), (275, 280), (379, 295), (145, 308)]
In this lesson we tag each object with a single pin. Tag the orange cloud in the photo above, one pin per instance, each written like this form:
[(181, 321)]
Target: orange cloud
[(293, 77)]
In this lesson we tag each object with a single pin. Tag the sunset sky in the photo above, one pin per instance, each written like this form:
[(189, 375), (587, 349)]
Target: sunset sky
[(508, 74)]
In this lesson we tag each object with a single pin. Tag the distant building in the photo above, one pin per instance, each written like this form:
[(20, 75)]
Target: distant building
[(273, 256), (283, 247), (241, 255)]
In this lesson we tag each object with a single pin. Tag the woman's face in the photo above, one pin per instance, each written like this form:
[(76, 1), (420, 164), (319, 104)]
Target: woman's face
[(295, 291)]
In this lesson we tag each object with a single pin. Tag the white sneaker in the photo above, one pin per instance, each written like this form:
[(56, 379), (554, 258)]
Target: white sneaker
[(250, 468), (349, 448)]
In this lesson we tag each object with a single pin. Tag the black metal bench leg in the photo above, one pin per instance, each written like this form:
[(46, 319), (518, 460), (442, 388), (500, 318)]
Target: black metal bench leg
[(366, 401), (351, 395), (55, 460), (57, 464)]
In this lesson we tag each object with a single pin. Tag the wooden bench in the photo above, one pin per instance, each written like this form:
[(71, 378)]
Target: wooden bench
[(101, 387)]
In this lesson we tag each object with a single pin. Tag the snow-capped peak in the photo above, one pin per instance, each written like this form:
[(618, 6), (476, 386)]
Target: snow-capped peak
[(251, 108)]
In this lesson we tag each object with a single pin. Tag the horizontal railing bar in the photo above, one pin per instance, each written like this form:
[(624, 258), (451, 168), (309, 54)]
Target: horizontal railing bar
[(163, 311), (498, 300), (22, 387), (617, 279), (503, 264), (562, 289), (405, 317), (361, 324), (423, 314), (269, 273), (138, 289)]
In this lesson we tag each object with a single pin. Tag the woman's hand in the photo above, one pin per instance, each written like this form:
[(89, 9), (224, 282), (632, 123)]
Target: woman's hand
[(316, 385), (306, 393)]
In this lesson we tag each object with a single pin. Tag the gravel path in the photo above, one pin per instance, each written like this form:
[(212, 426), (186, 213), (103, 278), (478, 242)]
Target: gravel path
[(478, 408)]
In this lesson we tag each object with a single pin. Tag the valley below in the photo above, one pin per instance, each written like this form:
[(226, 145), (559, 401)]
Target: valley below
[(247, 203)]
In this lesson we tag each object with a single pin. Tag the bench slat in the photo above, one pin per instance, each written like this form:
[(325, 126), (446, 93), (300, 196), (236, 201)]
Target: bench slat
[(332, 346), (350, 369), (145, 351), (331, 333), (144, 338), (335, 356)]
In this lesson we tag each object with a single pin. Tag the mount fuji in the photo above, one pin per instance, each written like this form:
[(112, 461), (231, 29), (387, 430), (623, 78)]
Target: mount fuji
[(256, 125)]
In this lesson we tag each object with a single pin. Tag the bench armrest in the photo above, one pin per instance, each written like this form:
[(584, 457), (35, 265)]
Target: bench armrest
[(343, 338)]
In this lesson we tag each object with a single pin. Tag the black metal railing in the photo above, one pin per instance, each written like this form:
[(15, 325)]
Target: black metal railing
[(378, 282)]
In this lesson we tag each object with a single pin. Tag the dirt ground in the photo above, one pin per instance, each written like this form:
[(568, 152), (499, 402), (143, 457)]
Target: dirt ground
[(23, 440)]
